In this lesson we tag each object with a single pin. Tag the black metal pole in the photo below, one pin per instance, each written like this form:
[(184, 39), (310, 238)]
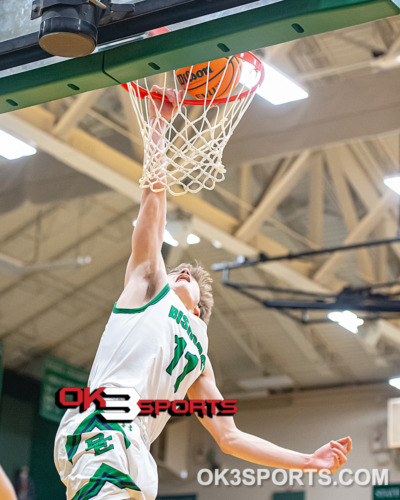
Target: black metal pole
[(341, 303), (301, 255), (368, 305)]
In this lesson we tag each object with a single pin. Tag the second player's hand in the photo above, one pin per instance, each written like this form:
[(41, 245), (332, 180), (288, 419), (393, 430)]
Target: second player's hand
[(331, 456), (169, 106)]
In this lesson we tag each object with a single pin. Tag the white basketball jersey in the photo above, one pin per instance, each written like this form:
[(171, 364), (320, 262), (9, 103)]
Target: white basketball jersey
[(159, 349)]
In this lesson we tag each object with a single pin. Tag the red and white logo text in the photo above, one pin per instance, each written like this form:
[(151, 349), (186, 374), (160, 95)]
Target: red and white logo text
[(122, 404)]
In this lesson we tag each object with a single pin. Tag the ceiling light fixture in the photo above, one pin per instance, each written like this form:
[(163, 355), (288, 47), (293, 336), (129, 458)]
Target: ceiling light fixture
[(347, 320), (192, 239), (393, 183), (12, 148), (169, 239), (395, 382), (277, 88)]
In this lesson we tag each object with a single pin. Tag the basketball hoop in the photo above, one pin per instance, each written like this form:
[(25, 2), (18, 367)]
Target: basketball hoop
[(195, 138)]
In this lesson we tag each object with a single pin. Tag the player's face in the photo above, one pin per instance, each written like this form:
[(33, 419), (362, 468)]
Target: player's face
[(186, 287)]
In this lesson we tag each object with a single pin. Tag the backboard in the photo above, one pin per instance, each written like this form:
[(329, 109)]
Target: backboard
[(200, 30)]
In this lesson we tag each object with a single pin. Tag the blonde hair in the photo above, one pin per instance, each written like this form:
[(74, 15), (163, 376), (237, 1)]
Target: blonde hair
[(204, 281)]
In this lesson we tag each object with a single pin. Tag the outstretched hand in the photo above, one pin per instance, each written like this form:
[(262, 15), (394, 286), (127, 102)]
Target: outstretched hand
[(331, 456), (167, 107)]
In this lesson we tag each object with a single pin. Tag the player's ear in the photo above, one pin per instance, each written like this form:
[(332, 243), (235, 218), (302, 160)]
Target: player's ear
[(196, 311)]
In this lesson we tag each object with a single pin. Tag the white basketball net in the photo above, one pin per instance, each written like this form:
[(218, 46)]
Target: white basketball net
[(191, 157)]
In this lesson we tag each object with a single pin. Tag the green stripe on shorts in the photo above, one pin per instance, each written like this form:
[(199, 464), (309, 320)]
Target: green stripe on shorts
[(105, 474)]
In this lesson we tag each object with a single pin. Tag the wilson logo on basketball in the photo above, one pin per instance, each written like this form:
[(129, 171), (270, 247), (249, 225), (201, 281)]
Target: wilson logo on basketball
[(215, 79), (191, 76)]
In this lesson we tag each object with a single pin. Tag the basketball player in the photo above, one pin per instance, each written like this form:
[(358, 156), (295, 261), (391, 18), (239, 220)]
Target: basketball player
[(156, 342)]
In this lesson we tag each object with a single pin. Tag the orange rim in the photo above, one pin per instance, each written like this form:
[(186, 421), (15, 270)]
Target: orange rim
[(246, 56)]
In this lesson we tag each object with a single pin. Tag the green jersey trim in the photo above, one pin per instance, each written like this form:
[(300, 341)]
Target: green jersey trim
[(157, 298)]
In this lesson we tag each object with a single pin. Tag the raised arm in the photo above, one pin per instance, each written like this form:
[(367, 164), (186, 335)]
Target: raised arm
[(147, 237), (239, 444), (145, 263)]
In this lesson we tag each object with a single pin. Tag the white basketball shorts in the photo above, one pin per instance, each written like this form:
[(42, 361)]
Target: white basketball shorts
[(104, 460)]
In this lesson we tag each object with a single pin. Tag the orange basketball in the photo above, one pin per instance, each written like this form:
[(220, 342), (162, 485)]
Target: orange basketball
[(216, 78)]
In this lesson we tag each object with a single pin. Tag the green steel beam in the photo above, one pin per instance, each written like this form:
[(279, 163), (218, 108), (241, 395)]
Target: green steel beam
[(249, 30), (53, 82)]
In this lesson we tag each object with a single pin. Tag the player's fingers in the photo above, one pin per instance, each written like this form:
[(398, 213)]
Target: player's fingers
[(337, 445), (336, 464), (163, 92), (175, 98), (179, 98), (156, 89), (169, 93), (340, 456), (335, 468), (347, 442)]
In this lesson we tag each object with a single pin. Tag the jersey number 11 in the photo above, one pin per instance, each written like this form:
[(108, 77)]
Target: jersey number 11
[(191, 364)]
